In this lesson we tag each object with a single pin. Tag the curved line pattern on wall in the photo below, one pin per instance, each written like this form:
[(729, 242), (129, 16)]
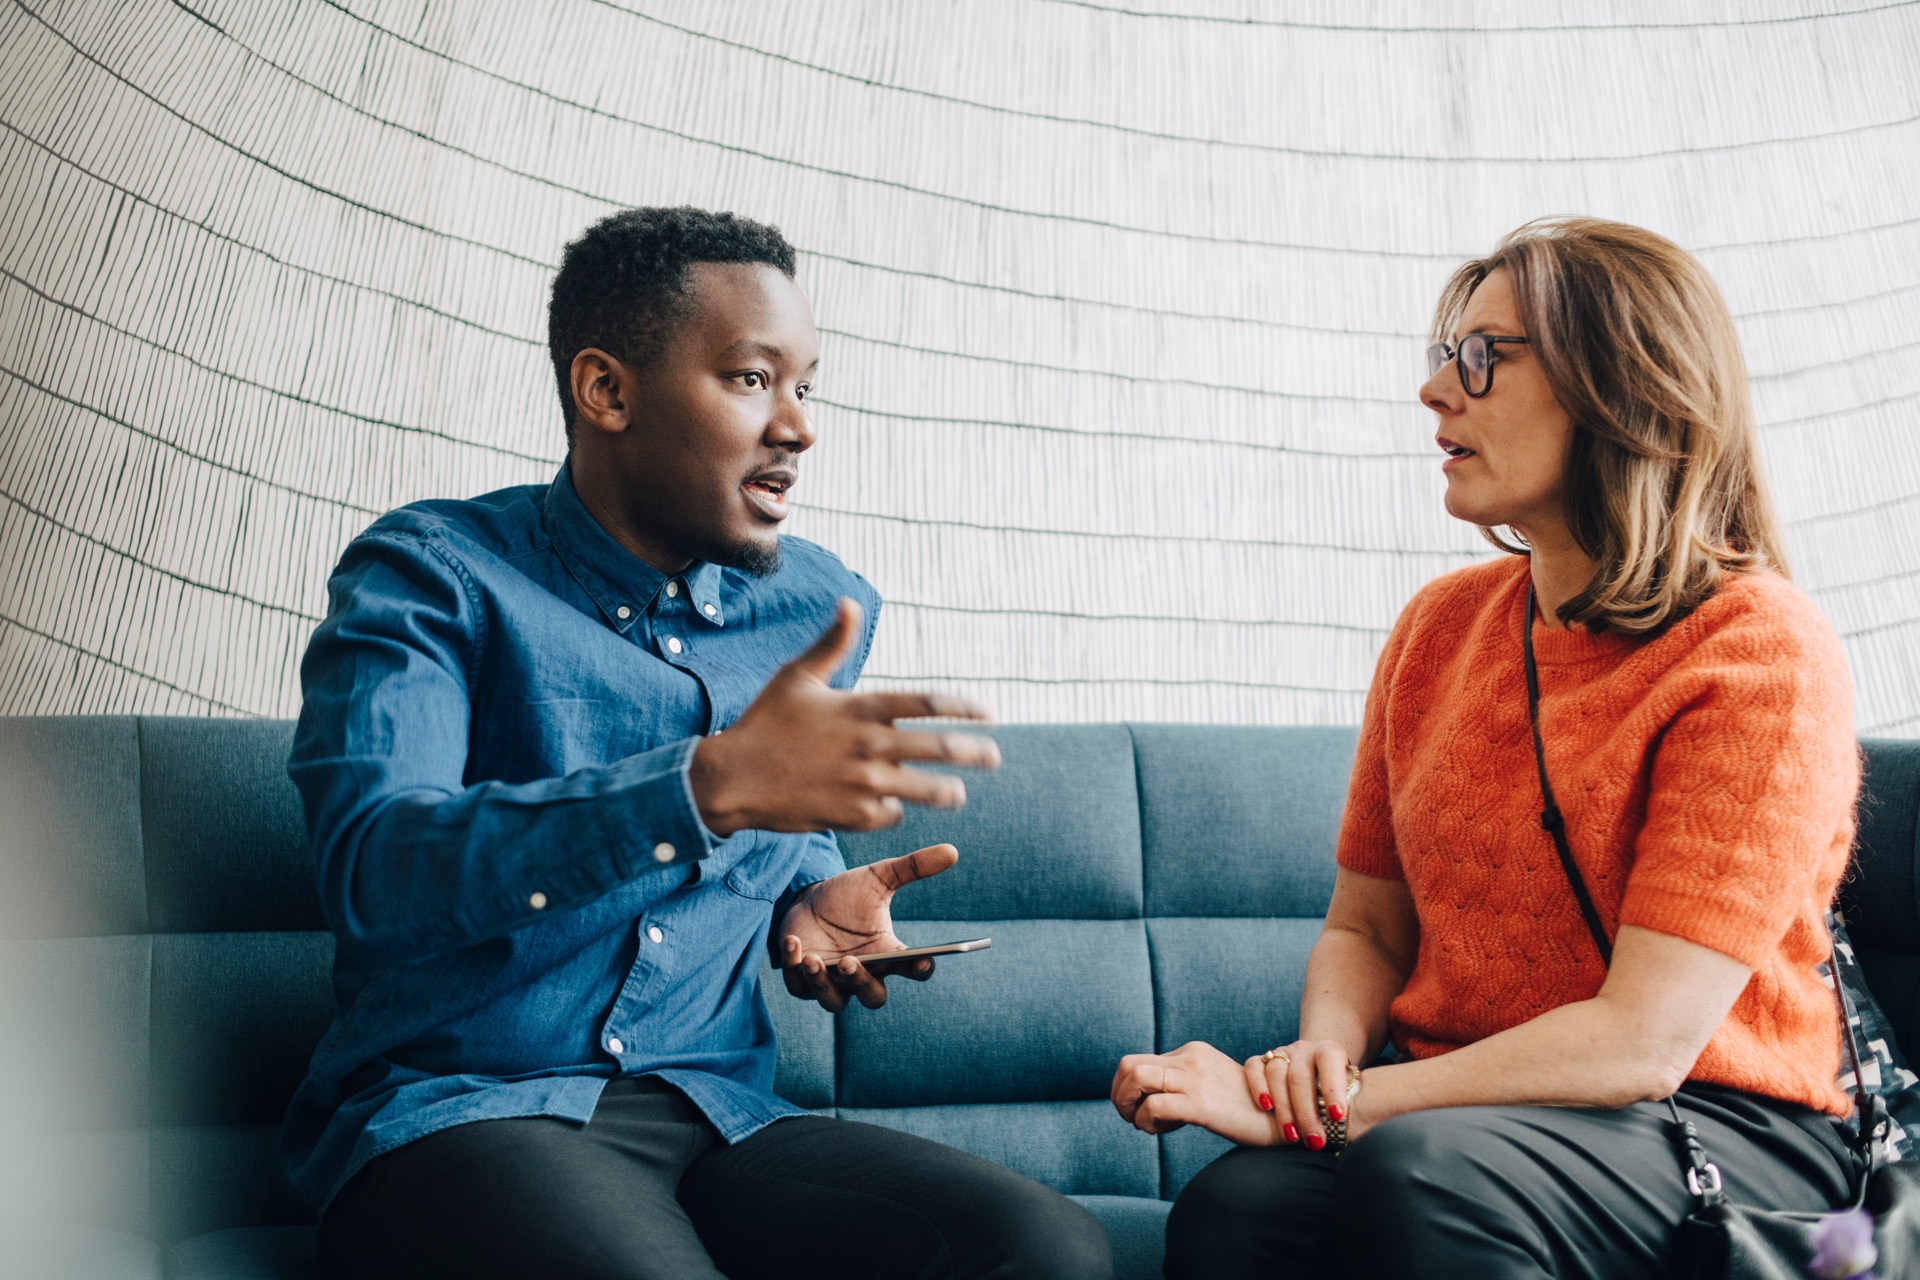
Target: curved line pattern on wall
[(1121, 306)]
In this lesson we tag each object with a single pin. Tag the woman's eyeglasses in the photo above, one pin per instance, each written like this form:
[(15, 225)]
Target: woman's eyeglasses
[(1474, 356)]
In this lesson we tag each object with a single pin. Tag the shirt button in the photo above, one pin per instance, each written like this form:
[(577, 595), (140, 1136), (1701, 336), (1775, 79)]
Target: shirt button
[(623, 613), (710, 610), (673, 644), (614, 1046), (653, 932), (538, 902), (663, 852), (673, 588)]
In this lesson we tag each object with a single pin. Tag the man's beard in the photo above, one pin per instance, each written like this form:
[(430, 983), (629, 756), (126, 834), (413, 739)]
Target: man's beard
[(761, 559)]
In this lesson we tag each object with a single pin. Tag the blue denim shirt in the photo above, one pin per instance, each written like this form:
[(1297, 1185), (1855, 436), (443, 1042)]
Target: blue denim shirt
[(500, 709)]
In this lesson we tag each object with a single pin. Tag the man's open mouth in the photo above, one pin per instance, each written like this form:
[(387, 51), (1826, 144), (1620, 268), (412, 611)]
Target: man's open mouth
[(768, 493)]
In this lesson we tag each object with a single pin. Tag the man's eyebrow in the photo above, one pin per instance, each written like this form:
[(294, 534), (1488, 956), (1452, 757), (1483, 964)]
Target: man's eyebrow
[(765, 350)]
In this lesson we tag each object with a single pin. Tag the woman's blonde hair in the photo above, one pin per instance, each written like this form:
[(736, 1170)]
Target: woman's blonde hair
[(1664, 487)]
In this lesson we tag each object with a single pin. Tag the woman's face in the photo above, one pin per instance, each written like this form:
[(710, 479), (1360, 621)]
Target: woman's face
[(1507, 449)]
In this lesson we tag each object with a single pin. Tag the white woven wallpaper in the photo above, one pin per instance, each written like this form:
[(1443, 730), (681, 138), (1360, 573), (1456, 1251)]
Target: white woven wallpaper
[(1121, 310)]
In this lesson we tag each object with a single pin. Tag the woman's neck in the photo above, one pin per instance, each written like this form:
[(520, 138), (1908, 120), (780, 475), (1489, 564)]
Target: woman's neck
[(1561, 571)]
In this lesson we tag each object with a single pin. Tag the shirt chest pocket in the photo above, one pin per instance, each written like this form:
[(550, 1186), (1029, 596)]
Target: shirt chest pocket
[(762, 869)]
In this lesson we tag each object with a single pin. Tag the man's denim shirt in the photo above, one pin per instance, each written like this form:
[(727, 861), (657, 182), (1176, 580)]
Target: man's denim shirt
[(500, 710)]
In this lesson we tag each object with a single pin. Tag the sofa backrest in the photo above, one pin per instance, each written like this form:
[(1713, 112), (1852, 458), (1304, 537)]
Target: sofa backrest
[(1144, 885), (164, 970), (1881, 897)]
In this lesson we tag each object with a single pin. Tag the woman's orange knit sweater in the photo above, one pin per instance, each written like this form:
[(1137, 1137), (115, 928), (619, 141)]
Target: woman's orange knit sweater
[(1708, 780)]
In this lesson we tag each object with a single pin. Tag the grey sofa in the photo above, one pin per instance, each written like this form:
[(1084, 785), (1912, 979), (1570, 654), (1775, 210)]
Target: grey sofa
[(164, 972)]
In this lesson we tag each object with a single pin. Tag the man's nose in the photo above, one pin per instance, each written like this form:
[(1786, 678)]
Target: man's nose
[(792, 426)]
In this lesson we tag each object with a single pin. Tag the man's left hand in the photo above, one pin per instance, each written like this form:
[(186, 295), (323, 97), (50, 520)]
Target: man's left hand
[(837, 919)]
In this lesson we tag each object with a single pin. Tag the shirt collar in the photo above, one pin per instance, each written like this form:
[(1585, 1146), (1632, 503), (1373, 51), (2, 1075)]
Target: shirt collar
[(622, 584), (703, 588)]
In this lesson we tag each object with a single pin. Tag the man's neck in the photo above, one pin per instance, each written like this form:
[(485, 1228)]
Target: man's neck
[(608, 513)]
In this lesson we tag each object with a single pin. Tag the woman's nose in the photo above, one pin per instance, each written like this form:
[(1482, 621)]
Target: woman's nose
[(1441, 392)]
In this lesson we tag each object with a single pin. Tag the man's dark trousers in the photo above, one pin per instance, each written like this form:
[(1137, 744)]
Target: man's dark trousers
[(648, 1191)]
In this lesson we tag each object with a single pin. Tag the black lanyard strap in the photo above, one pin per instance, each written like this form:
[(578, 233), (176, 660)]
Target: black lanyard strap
[(1550, 817)]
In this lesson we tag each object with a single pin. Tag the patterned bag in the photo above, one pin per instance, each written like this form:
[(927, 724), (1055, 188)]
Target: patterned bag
[(1888, 1075)]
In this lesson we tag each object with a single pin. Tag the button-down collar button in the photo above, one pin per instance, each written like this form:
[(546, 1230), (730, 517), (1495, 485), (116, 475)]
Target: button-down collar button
[(653, 933), (614, 1046), (538, 902), (673, 589), (663, 852), (673, 644), (623, 613), (710, 610)]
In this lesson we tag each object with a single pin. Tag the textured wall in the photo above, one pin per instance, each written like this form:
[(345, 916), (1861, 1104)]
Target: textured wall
[(1120, 310)]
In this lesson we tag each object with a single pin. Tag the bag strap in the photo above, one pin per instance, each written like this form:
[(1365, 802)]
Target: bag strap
[(1703, 1178), (1550, 816)]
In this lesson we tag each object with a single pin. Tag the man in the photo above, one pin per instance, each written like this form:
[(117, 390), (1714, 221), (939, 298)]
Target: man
[(552, 876)]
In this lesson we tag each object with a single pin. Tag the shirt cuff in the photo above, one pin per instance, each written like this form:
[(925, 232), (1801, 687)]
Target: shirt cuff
[(657, 824)]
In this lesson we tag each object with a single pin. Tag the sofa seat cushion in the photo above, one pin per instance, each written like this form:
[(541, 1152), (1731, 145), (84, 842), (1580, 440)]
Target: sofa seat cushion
[(1137, 1226), (244, 1253), (62, 1252)]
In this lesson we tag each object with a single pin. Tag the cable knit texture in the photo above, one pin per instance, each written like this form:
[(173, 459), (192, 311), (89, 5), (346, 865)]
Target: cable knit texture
[(1708, 780)]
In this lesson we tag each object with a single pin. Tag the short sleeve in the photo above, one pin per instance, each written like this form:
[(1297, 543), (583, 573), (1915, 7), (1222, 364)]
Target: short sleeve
[(1366, 842), (1750, 813)]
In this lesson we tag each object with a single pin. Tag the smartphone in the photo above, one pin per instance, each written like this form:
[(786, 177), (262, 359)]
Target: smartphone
[(914, 953)]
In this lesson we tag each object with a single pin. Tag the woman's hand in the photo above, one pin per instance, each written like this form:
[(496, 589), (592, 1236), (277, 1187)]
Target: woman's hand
[(1195, 1084), (1290, 1083)]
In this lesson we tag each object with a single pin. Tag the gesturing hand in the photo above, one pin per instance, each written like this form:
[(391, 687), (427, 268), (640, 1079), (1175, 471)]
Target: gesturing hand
[(1195, 1084), (806, 756), (849, 914)]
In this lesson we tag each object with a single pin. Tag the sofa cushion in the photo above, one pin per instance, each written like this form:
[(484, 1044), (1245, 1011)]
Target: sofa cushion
[(1185, 1152), (206, 1177), (245, 1253), (235, 1020), (1233, 983), (1077, 1147), (70, 840), (41, 1251), (1240, 821), (226, 842), (1054, 834), (1042, 1016), (805, 1033), (1138, 1229), (82, 1006)]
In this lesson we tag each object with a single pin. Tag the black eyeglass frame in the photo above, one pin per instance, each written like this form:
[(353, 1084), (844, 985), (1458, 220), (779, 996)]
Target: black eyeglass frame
[(1439, 353)]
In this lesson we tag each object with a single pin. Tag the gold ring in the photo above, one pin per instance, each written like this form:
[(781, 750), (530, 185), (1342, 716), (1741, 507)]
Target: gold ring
[(1281, 1054)]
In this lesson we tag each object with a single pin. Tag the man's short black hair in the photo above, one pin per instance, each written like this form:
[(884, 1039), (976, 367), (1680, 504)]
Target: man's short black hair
[(622, 286)]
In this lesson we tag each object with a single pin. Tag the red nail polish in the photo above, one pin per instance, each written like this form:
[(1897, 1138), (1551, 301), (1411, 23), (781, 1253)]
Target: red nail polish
[(1336, 1111), (1266, 1102), (1292, 1134), (1315, 1142)]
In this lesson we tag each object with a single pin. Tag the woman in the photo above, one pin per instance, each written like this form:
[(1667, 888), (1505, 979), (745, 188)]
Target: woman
[(1696, 718)]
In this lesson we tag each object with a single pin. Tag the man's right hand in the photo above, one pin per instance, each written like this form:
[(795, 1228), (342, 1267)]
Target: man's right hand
[(808, 757)]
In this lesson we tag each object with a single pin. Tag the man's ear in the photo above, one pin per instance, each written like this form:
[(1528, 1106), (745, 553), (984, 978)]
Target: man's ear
[(602, 392)]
